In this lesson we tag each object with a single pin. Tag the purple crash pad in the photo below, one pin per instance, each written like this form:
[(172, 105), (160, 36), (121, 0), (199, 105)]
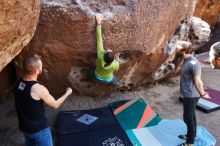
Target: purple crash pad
[(215, 96)]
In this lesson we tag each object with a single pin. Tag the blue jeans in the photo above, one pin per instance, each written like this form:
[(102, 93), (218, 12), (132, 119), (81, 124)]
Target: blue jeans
[(40, 138)]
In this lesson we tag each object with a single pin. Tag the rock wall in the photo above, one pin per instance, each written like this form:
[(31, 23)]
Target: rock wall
[(208, 10), (215, 37), (137, 31), (18, 21), (7, 79)]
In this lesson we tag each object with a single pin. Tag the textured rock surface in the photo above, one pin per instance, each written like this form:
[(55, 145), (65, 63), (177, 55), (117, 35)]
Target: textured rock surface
[(80, 80), (215, 37), (18, 21), (7, 79), (208, 10), (137, 31), (194, 31)]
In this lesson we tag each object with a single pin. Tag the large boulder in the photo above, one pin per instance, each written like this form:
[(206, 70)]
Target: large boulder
[(137, 31), (7, 79), (18, 21), (208, 10)]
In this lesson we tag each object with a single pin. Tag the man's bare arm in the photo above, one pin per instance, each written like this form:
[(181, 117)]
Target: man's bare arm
[(42, 93), (199, 86)]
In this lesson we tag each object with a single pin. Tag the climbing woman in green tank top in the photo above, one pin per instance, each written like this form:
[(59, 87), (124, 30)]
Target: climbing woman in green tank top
[(106, 64)]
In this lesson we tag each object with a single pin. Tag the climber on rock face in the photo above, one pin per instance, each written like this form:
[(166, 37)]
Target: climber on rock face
[(106, 64)]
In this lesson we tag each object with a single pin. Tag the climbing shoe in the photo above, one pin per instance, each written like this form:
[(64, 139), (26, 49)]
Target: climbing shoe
[(184, 137)]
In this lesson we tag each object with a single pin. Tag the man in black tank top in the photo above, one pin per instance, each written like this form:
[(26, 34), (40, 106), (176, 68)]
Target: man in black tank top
[(29, 99)]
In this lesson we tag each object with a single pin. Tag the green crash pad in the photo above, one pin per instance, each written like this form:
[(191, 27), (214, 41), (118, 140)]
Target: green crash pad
[(134, 114)]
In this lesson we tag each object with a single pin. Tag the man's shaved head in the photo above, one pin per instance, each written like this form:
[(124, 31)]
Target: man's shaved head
[(32, 64)]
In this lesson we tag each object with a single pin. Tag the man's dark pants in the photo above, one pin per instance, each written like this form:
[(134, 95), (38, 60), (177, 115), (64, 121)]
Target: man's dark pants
[(189, 116)]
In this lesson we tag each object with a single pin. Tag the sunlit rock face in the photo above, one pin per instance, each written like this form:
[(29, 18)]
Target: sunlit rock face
[(18, 21), (196, 32), (208, 10), (137, 31)]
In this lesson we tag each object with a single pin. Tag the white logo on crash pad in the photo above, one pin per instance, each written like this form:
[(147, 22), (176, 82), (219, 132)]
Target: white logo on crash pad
[(113, 142), (87, 119)]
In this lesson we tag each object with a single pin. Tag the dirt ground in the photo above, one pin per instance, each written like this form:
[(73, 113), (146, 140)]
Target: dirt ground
[(162, 97)]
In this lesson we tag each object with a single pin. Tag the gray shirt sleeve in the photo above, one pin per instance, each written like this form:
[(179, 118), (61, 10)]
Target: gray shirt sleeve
[(196, 68)]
